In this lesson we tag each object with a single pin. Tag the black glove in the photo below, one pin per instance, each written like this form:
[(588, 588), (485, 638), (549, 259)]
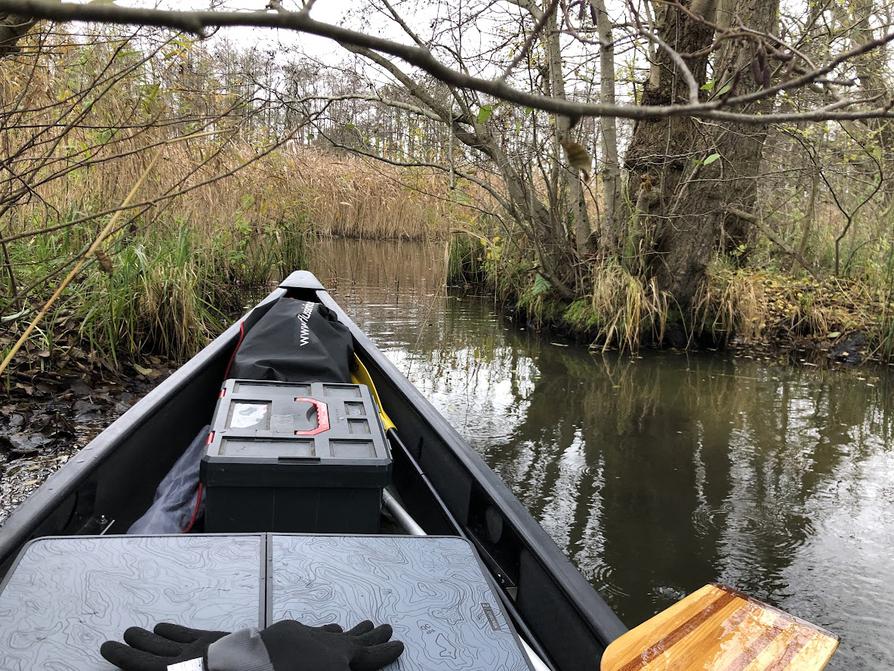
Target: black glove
[(291, 646), (283, 646), (170, 644)]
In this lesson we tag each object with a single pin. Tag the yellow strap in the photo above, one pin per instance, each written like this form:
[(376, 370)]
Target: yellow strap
[(362, 376)]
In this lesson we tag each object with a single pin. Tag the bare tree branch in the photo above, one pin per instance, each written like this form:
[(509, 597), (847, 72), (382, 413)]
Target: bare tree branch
[(529, 42), (197, 22)]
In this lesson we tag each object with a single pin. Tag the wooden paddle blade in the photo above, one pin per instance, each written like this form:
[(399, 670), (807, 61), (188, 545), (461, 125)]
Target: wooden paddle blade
[(718, 628)]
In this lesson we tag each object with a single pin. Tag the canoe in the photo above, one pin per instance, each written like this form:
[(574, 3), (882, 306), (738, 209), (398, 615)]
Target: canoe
[(442, 483)]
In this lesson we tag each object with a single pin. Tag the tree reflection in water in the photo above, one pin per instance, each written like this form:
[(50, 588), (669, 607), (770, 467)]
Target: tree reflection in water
[(660, 473)]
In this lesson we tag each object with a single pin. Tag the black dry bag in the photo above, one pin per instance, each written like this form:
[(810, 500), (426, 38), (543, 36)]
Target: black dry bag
[(296, 341)]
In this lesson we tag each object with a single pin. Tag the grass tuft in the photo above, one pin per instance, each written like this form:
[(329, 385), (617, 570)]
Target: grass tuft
[(625, 308)]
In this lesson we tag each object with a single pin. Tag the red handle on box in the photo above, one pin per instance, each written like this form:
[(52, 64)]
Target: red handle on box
[(322, 416)]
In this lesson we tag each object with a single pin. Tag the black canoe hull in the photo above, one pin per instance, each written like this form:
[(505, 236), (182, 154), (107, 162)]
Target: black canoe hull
[(444, 484)]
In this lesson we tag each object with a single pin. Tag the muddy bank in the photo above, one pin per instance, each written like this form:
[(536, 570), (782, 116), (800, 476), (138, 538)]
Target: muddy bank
[(45, 417)]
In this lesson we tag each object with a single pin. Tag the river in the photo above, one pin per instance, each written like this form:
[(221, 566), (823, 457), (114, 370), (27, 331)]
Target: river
[(657, 473)]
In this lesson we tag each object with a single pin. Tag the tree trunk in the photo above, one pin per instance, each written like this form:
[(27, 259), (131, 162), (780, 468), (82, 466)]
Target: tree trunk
[(870, 70), (701, 172), (613, 225), (671, 242), (569, 176)]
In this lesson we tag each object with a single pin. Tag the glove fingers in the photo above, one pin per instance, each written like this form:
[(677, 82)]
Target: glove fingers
[(125, 657), (361, 628), (175, 632), (378, 635), (376, 656), (158, 645), (330, 628)]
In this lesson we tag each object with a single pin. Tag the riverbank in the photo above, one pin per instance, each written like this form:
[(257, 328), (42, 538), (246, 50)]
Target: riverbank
[(172, 276), (826, 320), (49, 417), (753, 311)]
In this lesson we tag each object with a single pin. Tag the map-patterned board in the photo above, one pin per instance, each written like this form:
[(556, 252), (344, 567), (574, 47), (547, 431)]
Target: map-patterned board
[(65, 596), (431, 590)]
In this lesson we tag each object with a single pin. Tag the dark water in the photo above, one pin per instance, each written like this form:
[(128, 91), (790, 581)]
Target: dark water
[(661, 473)]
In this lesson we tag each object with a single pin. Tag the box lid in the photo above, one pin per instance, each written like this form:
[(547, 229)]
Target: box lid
[(432, 590), (293, 434), (64, 597)]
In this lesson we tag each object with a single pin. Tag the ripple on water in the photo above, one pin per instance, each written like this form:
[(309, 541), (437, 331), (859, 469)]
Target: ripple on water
[(601, 577)]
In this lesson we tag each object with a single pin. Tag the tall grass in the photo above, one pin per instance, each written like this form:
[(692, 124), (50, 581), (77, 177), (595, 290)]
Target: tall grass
[(351, 196), (465, 259), (333, 195), (169, 291), (732, 302), (182, 270)]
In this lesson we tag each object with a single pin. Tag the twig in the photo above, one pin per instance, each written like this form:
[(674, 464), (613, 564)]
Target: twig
[(747, 216), (526, 47)]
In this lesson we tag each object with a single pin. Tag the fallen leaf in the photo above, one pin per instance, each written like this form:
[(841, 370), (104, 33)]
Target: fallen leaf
[(145, 372)]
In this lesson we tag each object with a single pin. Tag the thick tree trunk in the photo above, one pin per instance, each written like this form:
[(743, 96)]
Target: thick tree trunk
[(699, 171), (670, 241), (733, 185)]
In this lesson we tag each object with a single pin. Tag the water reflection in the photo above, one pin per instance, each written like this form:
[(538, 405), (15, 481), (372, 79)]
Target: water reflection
[(658, 474)]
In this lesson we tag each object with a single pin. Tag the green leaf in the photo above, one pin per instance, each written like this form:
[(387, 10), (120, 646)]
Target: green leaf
[(708, 86), (725, 89), (484, 113), (541, 285), (148, 96), (711, 159)]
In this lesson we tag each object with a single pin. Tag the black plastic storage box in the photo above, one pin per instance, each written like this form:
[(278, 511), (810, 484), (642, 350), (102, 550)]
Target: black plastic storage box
[(284, 456)]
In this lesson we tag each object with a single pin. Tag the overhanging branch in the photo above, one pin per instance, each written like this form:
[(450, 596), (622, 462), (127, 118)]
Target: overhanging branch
[(197, 22)]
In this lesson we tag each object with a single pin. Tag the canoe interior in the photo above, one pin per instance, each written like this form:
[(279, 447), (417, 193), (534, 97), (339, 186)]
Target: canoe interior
[(441, 481)]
